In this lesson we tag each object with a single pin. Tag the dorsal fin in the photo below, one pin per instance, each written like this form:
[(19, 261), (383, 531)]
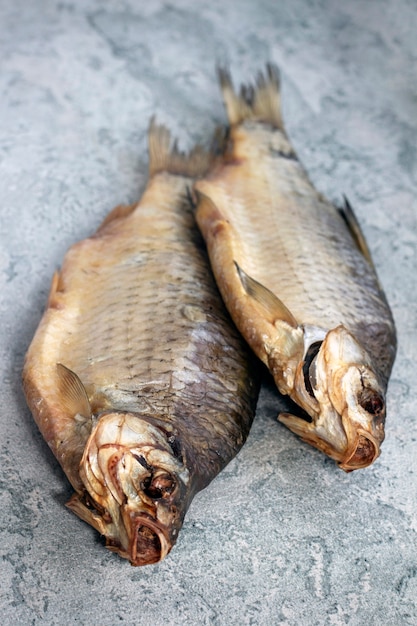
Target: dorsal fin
[(355, 230), (276, 309), (164, 155), (74, 397)]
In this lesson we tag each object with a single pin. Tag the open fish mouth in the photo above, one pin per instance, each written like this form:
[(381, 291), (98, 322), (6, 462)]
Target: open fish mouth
[(149, 543), (365, 452)]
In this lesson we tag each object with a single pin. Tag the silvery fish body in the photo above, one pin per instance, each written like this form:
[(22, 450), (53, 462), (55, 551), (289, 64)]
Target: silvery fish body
[(297, 277), (136, 377)]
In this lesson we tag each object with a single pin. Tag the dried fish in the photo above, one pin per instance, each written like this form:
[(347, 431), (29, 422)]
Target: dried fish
[(136, 376), (297, 277)]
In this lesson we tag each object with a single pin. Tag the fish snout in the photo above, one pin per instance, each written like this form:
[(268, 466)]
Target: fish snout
[(146, 526), (364, 452), (148, 543), (153, 518)]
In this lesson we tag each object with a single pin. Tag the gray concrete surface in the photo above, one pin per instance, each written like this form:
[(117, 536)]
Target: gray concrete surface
[(282, 537)]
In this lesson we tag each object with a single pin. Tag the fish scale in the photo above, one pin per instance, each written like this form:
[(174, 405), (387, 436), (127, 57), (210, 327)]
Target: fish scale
[(310, 261), (314, 269), (136, 311)]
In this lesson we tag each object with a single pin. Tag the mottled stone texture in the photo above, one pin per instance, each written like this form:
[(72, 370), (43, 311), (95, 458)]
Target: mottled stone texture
[(282, 537)]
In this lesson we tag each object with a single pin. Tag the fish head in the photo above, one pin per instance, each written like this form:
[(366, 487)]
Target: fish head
[(344, 398), (136, 486)]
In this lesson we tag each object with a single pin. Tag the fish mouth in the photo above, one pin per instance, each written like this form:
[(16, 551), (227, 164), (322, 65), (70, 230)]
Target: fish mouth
[(364, 453), (149, 543)]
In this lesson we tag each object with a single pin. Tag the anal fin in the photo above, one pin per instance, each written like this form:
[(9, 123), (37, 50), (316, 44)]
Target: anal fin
[(77, 506)]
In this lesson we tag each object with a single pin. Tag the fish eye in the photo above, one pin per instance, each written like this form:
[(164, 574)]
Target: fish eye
[(372, 402), (159, 486)]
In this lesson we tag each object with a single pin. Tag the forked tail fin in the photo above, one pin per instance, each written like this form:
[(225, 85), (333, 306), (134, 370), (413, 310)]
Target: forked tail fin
[(260, 102), (164, 155)]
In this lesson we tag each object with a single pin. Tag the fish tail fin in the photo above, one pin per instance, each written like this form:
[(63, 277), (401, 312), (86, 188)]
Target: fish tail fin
[(260, 102), (164, 155)]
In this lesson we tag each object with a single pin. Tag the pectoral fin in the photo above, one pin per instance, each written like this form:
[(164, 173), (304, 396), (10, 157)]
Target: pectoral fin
[(88, 515), (280, 339), (74, 397), (274, 307), (207, 211), (306, 431)]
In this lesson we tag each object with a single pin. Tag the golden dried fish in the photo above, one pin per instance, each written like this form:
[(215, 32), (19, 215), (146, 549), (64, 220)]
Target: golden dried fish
[(297, 277), (136, 376)]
